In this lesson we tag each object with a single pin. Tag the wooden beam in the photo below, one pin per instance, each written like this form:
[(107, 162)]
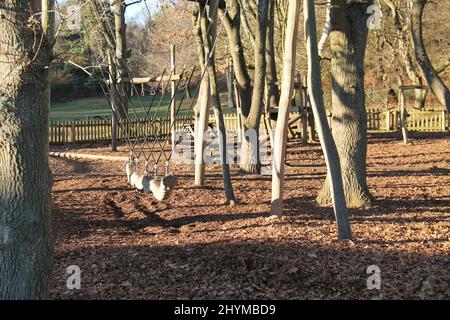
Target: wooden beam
[(175, 77), (413, 87), (222, 3)]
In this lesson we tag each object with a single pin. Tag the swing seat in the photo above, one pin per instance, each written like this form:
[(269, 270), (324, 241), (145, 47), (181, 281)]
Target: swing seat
[(160, 187)]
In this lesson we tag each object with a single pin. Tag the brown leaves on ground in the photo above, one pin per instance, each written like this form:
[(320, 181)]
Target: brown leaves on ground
[(193, 246)]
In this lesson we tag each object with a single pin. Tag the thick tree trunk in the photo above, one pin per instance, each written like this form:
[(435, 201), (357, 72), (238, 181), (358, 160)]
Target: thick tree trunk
[(287, 88), (326, 139), (434, 82), (26, 247), (232, 27), (215, 98), (251, 99), (250, 159), (348, 39)]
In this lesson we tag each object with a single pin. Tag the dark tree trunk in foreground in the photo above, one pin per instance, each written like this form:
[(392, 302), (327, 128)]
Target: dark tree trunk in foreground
[(434, 82), (348, 39), (25, 180)]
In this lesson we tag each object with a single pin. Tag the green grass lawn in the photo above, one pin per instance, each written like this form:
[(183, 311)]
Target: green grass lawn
[(82, 109)]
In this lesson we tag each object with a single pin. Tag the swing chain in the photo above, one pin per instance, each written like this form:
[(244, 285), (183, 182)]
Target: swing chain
[(167, 168), (136, 164), (156, 170), (146, 168)]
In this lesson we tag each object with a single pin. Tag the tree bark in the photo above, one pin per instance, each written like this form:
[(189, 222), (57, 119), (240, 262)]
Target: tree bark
[(405, 55), (215, 97), (232, 27), (251, 99), (120, 57), (273, 92), (26, 247), (434, 82), (348, 39), (287, 88), (326, 139), (204, 105), (326, 30), (250, 159)]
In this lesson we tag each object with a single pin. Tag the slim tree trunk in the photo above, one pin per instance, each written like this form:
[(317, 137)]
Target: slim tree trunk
[(120, 55), (326, 138), (204, 105), (434, 82), (215, 97), (273, 92), (287, 88), (348, 39), (26, 247), (326, 29)]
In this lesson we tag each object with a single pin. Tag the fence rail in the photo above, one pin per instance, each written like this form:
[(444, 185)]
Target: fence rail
[(100, 130)]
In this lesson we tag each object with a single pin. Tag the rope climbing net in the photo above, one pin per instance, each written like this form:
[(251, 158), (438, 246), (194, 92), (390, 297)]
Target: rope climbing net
[(146, 142)]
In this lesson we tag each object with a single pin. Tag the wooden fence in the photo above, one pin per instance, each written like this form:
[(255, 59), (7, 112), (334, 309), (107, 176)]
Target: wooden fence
[(100, 130), (416, 121)]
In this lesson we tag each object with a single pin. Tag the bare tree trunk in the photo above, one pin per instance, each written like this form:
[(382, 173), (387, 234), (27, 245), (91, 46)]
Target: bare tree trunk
[(406, 56), (120, 53), (204, 105), (287, 88), (434, 82), (115, 102), (250, 160), (26, 247), (251, 100), (273, 92), (230, 85), (232, 27), (215, 98), (326, 138), (348, 41), (326, 29)]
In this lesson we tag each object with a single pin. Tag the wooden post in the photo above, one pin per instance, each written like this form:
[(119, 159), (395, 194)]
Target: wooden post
[(309, 115), (395, 120), (72, 133), (281, 130), (238, 113), (444, 118), (388, 121), (173, 89), (304, 113), (403, 123)]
